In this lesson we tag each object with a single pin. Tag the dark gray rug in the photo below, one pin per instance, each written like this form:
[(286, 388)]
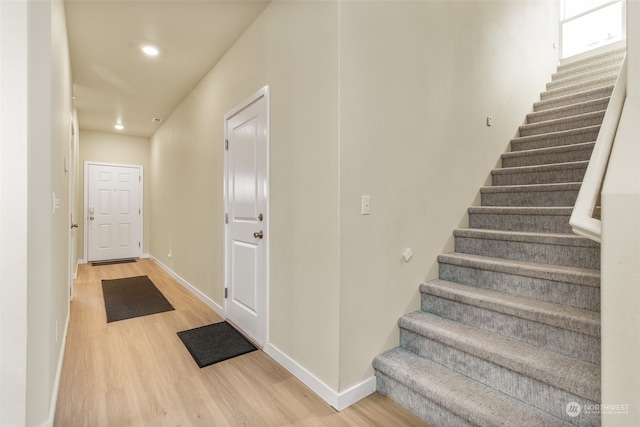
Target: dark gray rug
[(132, 297), (112, 261), (214, 343)]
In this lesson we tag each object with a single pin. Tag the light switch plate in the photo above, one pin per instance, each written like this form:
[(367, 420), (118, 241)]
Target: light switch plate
[(366, 205)]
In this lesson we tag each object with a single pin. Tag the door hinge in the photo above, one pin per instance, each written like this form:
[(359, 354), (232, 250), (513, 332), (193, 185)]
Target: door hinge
[(226, 292), (226, 218), (139, 178), (226, 144), (139, 211), (138, 244)]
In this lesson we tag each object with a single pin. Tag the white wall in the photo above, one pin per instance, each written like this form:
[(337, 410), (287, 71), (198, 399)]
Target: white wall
[(35, 241), (417, 80), (381, 98), (620, 285), (48, 232), (292, 47), (120, 149), (13, 213)]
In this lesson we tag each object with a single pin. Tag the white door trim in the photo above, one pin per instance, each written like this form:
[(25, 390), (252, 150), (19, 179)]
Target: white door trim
[(86, 203), (262, 93)]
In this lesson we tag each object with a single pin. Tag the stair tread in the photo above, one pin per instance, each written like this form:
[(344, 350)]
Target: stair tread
[(574, 319), (584, 73), (567, 110), (557, 134), (526, 237), (559, 273), (548, 150), (564, 372), (595, 83), (518, 210), (581, 164), (614, 55), (564, 186), (573, 98), (560, 120), (469, 399)]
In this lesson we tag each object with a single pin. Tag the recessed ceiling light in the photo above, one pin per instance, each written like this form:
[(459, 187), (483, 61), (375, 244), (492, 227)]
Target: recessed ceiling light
[(118, 126), (150, 50)]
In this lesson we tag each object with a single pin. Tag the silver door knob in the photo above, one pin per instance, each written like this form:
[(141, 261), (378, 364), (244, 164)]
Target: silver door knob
[(258, 234)]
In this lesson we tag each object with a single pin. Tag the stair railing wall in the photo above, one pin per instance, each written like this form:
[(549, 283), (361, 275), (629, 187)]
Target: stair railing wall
[(582, 221)]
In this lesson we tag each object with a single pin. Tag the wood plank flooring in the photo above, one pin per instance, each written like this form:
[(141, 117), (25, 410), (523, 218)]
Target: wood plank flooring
[(137, 372)]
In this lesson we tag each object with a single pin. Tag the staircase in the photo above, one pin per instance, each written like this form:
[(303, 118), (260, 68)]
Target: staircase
[(509, 335)]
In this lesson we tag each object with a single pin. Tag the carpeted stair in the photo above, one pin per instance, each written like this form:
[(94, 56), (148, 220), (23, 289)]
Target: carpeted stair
[(509, 334)]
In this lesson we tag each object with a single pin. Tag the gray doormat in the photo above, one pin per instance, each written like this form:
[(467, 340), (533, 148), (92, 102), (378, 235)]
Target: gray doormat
[(112, 261), (214, 343), (132, 297)]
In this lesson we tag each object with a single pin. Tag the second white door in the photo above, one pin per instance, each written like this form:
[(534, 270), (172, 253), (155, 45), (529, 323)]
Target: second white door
[(113, 211), (247, 136)]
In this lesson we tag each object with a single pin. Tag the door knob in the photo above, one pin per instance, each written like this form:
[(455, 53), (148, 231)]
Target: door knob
[(91, 218), (258, 234)]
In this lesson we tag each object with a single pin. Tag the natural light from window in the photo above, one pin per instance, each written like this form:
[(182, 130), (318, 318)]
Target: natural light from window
[(589, 24)]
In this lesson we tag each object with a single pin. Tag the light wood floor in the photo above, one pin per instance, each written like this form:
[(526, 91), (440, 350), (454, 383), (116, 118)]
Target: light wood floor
[(137, 372)]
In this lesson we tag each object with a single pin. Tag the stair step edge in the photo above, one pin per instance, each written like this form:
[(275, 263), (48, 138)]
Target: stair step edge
[(557, 273), (564, 317), (561, 371), (475, 402)]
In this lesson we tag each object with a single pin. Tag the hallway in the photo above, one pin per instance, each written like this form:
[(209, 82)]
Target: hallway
[(137, 372)]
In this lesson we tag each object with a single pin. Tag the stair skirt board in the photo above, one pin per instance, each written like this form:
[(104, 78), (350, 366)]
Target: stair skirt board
[(509, 334)]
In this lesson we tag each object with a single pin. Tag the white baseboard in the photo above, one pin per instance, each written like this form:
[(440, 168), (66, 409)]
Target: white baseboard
[(339, 400), (195, 291), (56, 381)]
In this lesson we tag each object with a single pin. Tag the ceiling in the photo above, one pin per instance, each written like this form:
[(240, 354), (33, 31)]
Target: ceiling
[(113, 81)]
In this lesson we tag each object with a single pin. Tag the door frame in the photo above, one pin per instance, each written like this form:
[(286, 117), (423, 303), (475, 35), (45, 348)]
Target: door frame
[(86, 203), (262, 93)]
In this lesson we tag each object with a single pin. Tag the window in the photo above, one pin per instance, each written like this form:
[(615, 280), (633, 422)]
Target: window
[(589, 24)]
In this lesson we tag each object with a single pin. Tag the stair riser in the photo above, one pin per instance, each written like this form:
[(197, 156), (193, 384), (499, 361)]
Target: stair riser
[(548, 398), (414, 402), (528, 223), (570, 174), (554, 140), (592, 119), (570, 343), (530, 198), (568, 111), (569, 294), (581, 87), (573, 99), (544, 158), (546, 253)]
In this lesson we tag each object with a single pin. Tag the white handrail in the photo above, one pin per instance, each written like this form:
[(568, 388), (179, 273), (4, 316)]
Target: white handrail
[(582, 221)]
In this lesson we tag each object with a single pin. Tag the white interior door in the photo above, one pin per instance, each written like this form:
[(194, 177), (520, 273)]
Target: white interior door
[(246, 192), (113, 211)]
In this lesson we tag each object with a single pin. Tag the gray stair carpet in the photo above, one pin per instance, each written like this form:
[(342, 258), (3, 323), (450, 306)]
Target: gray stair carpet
[(509, 334)]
